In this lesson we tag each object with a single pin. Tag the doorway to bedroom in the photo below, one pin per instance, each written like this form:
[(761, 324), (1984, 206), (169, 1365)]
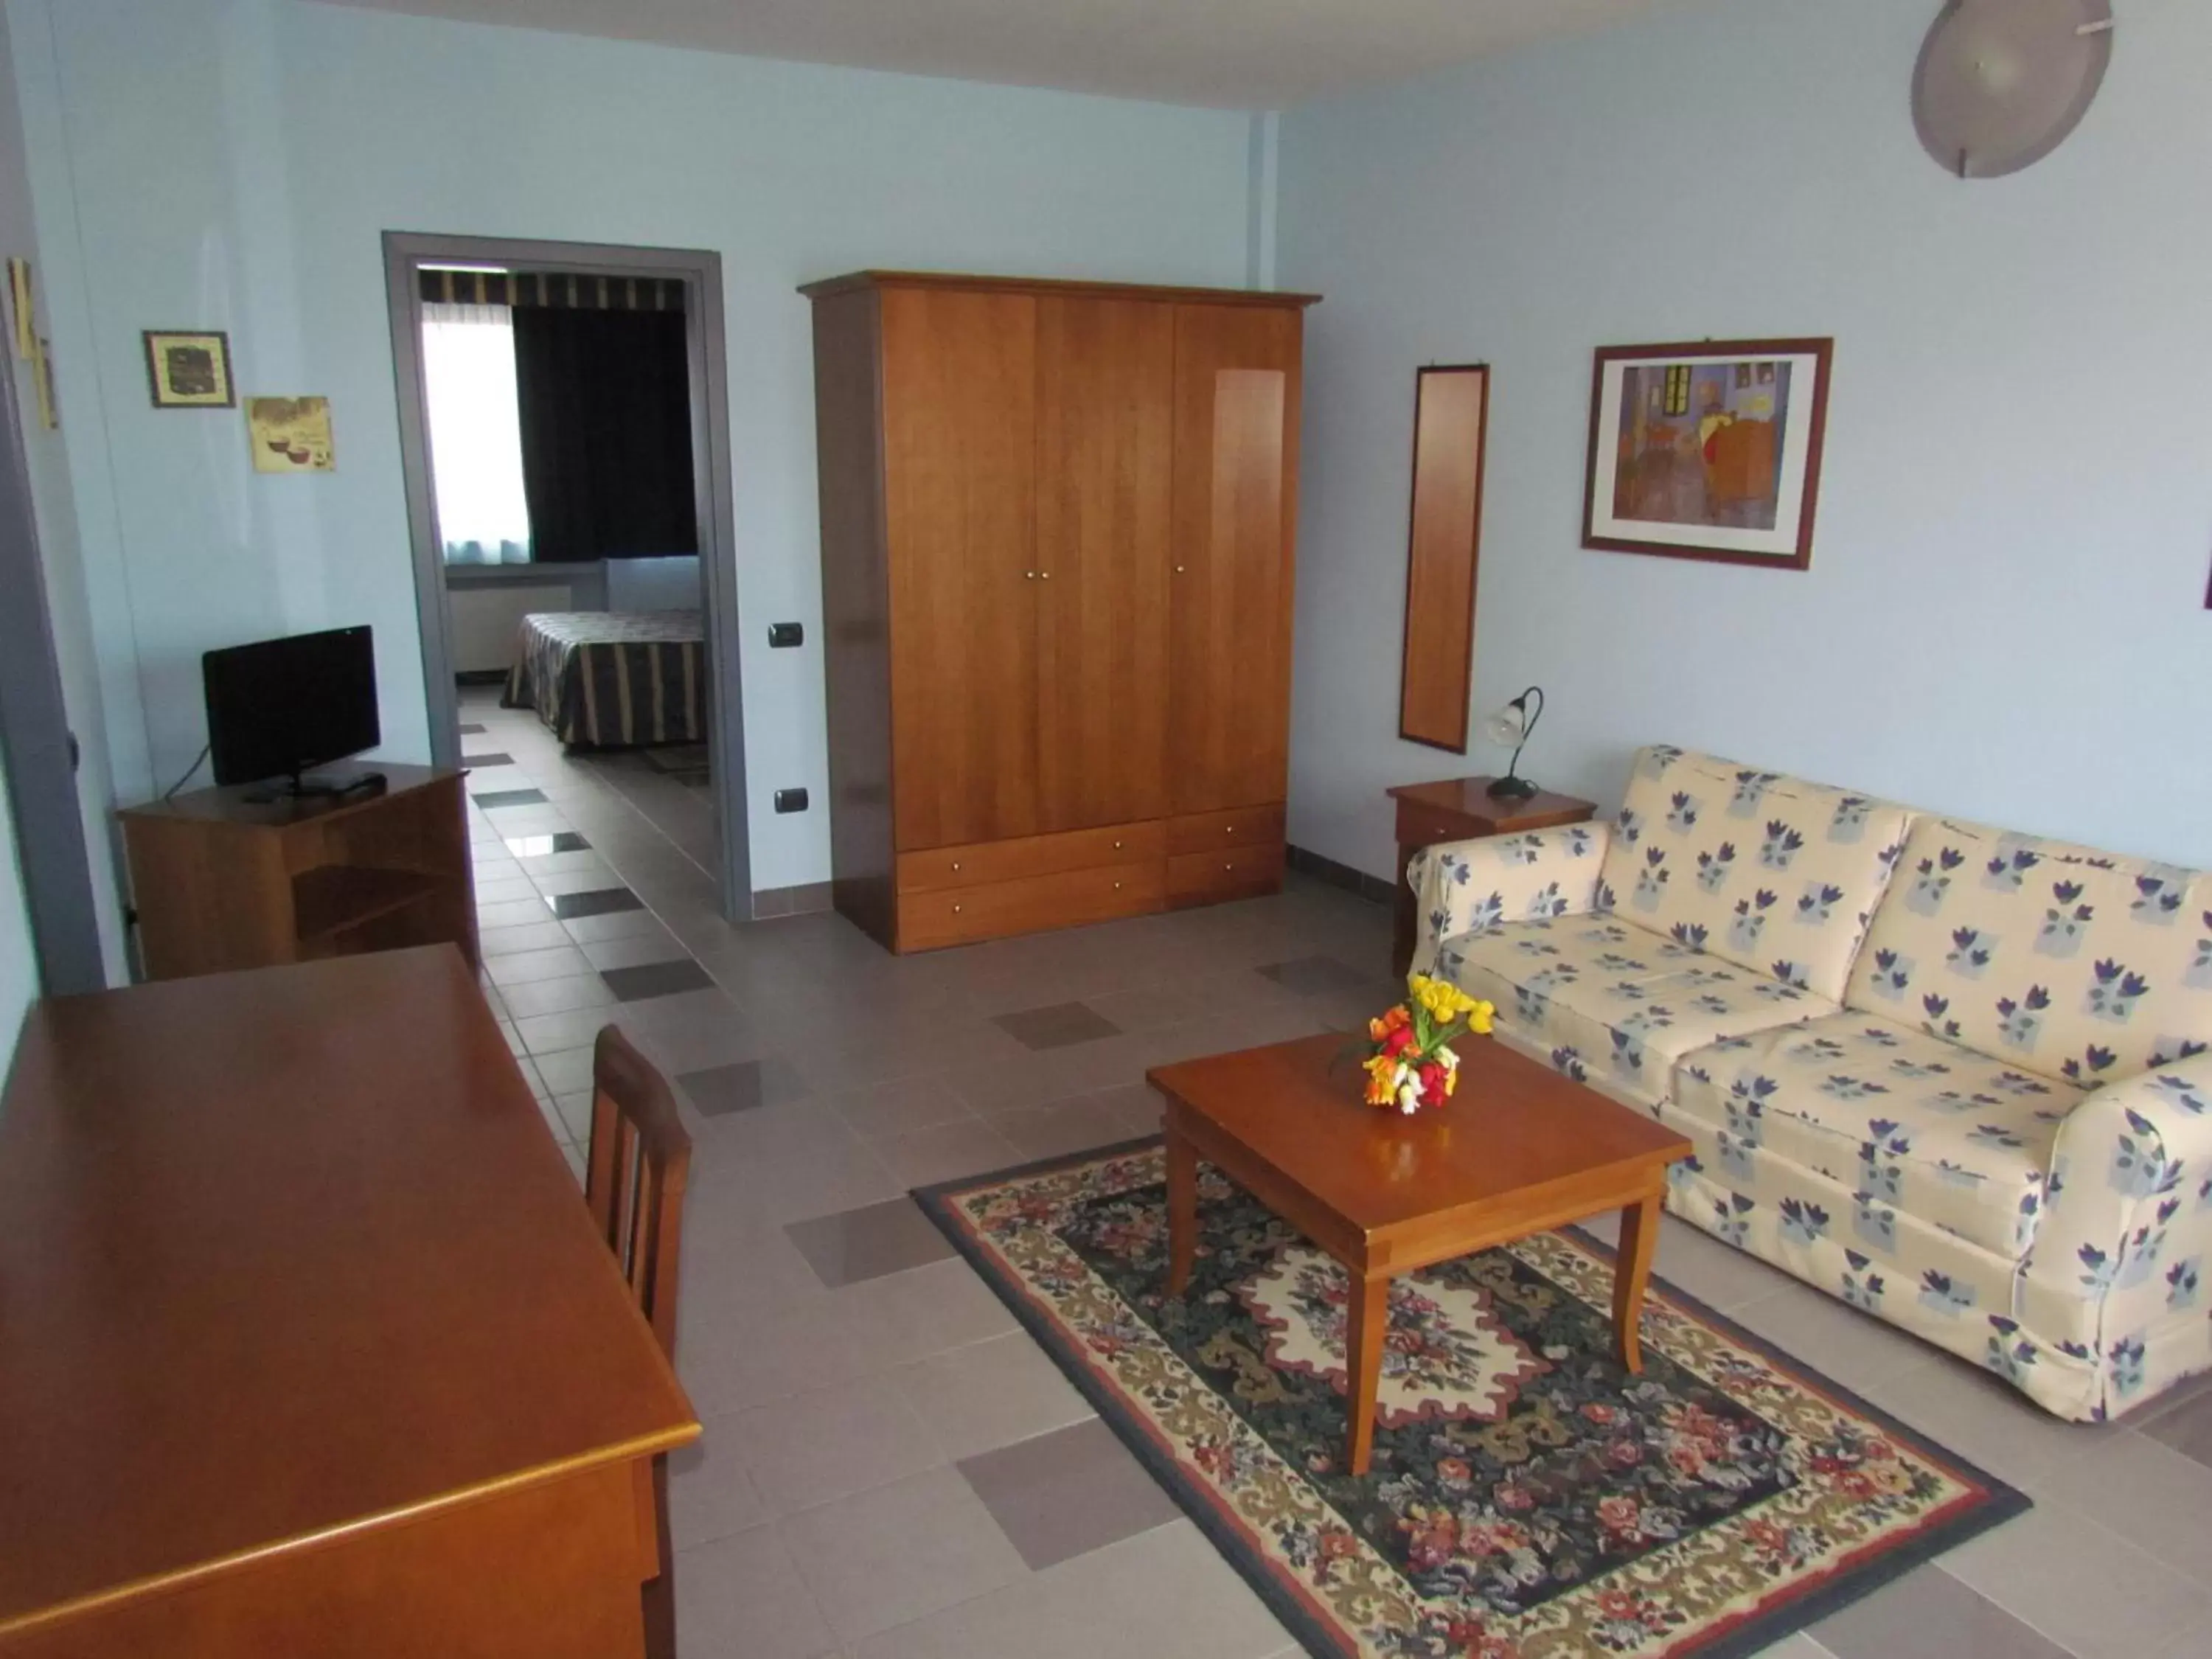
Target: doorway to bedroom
[(566, 447)]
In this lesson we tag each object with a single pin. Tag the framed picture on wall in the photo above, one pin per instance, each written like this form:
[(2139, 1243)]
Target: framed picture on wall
[(189, 371), (1708, 450)]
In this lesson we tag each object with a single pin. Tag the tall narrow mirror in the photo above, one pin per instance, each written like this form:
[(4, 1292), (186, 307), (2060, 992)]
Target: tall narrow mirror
[(1451, 408)]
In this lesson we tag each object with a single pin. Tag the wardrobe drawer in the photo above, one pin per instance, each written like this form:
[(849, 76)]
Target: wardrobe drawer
[(944, 867), (1240, 826), (1230, 873), (961, 915)]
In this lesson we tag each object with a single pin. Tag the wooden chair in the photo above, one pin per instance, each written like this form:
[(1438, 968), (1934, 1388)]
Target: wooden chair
[(634, 1180)]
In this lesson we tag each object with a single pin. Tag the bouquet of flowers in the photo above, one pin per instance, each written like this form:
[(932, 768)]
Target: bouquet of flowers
[(1411, 1065)]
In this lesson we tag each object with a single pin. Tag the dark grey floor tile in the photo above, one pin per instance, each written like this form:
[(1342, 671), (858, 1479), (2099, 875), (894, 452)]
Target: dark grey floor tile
[(469, 730), (2185, 1426), (498, 798), (1060, 1026), (1067, 1492), (1929, 1614), (868, 1243), (1313, 977), (656, 979), (720, 1090), (539, 846), (494, 758), (600, 901)]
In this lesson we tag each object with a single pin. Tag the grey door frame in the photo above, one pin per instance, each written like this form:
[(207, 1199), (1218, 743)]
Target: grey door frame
[(700, 270), (36, 746)]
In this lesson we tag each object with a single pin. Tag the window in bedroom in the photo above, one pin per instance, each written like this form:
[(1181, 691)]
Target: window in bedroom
[(476, 434)]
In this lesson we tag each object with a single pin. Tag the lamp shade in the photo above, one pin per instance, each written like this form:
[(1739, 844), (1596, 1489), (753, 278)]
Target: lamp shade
[(1509, 726)]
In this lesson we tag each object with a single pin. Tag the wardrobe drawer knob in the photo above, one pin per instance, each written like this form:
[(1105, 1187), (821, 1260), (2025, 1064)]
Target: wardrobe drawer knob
[(956, 864), (1118, 886), (1117, 846), (955, 910), (1178, 570)]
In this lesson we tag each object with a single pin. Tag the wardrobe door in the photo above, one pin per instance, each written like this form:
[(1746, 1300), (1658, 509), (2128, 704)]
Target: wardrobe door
[(959, 393), (1235, 515), (1104, 442)]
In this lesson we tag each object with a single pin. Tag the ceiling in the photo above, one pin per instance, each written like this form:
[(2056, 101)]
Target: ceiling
[(1235, 54)]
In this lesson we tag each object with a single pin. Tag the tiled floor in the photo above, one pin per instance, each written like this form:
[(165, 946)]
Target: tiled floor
[(891, 1468)]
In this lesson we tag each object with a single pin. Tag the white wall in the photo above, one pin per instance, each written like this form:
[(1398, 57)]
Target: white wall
[(232, 163), (2003, 617)]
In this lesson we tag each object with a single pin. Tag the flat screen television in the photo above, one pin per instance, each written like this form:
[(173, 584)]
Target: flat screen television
[(277, 709)]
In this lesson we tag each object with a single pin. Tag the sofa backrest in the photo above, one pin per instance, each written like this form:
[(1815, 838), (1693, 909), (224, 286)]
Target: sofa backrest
[(1773, 873), (2060, 960)]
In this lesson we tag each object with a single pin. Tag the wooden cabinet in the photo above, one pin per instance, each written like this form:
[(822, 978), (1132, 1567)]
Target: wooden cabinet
[(1057, 528), (233, 878)]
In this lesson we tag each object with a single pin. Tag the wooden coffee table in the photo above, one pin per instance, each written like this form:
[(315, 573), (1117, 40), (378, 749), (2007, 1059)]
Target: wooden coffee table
[(1519, 1149)]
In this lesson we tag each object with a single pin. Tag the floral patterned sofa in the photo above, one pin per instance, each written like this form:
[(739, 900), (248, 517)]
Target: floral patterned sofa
[(1955, 1076)]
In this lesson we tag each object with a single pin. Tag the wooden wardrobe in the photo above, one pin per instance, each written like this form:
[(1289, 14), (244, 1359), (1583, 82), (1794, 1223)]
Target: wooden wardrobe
[(1057, 528)]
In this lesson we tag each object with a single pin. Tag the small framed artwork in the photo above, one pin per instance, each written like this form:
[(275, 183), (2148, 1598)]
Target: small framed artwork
[(291, 434), (1708, 450), (190, 371)]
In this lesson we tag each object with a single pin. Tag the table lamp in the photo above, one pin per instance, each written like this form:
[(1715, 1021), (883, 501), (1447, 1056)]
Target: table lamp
[(1512, 725)]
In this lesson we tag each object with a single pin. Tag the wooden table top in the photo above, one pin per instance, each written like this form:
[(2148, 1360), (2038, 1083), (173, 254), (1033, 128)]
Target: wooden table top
[(1512, 1126), (282, 1255)]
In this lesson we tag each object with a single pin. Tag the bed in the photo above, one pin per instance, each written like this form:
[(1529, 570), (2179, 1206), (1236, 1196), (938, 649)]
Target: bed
[(613, 680)]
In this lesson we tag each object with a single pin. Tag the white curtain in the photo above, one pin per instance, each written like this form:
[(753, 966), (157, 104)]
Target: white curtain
[(476, 434)]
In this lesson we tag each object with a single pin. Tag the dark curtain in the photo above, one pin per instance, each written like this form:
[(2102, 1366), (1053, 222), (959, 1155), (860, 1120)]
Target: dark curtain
[(606, 433)]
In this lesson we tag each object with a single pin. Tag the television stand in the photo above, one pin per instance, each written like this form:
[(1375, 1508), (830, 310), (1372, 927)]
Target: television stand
[(253, 876), (314, 786)]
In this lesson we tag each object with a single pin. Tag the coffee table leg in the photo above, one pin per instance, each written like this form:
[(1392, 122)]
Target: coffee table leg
[(1182, 1208), (1631, 1271), (1370, 1323)]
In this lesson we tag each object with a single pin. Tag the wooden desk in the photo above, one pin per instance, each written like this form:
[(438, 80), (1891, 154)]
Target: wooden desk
[(1457, 809), (307, 1348)]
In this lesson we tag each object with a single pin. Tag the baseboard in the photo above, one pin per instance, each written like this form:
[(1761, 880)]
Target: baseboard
[(804, 900), (1372, 888), (481, 676)]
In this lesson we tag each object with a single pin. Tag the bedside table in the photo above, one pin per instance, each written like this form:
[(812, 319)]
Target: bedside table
[(1456, 809)]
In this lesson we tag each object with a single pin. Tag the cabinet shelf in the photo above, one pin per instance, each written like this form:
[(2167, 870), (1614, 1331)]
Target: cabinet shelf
[(338, 898)]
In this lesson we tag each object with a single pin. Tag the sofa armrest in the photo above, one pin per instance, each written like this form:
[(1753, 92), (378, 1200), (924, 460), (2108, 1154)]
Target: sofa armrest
[(2127, 1217), (1473, 886)]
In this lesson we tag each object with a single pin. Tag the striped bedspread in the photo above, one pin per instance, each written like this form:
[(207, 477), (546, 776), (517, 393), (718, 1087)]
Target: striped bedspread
[(612, 678)]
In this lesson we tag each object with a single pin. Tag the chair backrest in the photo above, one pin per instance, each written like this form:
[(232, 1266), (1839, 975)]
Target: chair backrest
[(634, 1176)]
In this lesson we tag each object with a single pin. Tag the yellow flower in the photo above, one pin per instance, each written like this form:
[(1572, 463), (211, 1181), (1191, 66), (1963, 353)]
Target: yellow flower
[(1479, 1016)]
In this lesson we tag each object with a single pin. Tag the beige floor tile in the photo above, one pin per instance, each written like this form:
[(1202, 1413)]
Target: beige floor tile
[(898, 1108), (573, 1028), (966, 1146), (732, 1359), (710, 1496), (557, 996), (1988, 1422), (1068, 1126), (1853, 1348), (1719, 1275), (563, 961), (2089, 1591), (743, 1597), (811, 1448), (575, 1117), (619, 924), (990, 1394), (1165, 1594), (2149, 1494), (517, 913), (923, 1311), (564, 1072), (793, 1186), (897, 1553), (541, 932)]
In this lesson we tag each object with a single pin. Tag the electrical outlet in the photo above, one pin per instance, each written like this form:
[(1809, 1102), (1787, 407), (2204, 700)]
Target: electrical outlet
[(782, 636), (790, 800)]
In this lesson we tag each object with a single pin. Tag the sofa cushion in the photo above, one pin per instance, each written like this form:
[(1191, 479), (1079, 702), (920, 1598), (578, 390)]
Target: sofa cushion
[(1771, 873), (1956, 1138), (2058, 960), (1614, 1003)]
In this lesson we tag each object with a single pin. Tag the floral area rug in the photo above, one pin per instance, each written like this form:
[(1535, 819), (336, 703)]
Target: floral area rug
[(1528, 1498)]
